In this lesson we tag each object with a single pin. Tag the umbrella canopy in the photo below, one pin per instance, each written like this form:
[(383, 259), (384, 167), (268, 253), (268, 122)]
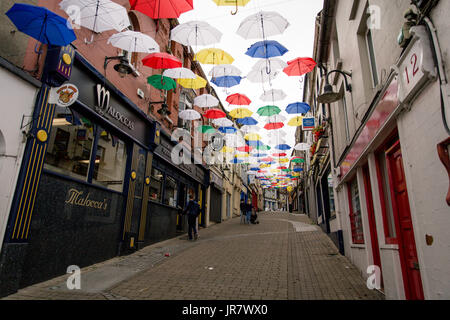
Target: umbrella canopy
[(228, 130), (255, 143), (133, 41), (223, 122), (236, 161), (226, 149), (273, 95), (262, 24), (282, 154), (41, 24), (276, 118), (261, 76), (224, 70), (252, 136), (226, 81), (249, 121), (179, 73), (298, 160), (295, 122), (162, 9), (283, 147), (240, 113), (196, 83), (266, 49), (298, 170), (273, 64), (98, 15), (206, 101), (263, 148), (213, 56), (189, 114), (299, 66), (205, 129), (214, 114), (298, 108), (249, 129), (274, 126), (302, 147), (161, 60), (238, 99), (195, 33), (236, 3), (268, 111), (160, 82)]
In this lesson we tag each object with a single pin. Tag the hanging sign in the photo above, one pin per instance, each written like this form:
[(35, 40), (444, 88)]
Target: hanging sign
[(65, 95), (308, 124)]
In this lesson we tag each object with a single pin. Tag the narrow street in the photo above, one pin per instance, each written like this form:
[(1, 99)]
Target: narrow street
[(284, 257)]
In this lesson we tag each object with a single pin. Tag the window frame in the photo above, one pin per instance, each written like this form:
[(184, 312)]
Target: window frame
[(355, 233), (371, 57)]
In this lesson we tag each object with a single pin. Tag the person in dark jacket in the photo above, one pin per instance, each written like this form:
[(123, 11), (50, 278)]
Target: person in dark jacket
[(192, 210), (248, 210)]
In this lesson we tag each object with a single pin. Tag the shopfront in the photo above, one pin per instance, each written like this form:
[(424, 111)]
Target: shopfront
[(216, 196)]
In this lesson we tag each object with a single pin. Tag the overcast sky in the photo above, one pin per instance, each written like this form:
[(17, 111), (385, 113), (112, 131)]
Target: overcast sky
[(298, 39)]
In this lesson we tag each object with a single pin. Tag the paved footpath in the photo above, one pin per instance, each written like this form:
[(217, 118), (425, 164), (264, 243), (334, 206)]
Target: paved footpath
[(284, 257)]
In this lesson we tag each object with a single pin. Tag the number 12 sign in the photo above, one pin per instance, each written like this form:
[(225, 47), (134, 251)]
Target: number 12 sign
[(416, 66)]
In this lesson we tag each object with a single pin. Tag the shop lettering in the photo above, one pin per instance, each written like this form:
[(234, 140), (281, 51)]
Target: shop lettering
[(76, 198), (103, 107)]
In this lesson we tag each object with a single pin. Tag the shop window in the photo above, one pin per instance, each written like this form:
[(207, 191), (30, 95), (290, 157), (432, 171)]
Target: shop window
[(170, 192), (110, 162), (355, 212), (385, 199), (156, 185), (70, 144)]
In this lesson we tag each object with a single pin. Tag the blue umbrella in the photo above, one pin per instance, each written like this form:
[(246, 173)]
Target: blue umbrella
[(227, 130), (226, 81), (260, 155), (298, 107), (41, 24), (255, 143), (283, 147), (298, 170), (254, 169), (236, 161), (249, 121), (266, 49)]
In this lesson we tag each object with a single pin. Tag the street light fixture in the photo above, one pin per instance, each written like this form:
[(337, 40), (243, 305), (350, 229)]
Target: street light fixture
[(123, 67), (328, 95)]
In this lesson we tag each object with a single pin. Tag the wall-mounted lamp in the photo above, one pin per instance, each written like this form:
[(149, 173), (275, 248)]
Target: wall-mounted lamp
[(123, 67), (328, 96), (164, 110)]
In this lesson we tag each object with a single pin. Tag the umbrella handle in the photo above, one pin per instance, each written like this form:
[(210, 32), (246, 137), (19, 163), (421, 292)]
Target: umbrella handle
[(233, 13), (89, 41)]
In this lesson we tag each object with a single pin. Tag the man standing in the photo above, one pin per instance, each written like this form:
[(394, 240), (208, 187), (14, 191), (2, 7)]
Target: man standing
[(193, 210), (248, 210)]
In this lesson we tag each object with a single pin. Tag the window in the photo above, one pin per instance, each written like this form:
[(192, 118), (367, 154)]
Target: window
[(331, 196), (372, 62), (156, 185), (71, 151), (170, 192), (184, 104), (355, 212), (343, 106)]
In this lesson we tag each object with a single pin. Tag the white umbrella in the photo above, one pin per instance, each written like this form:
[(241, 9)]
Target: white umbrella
[(223, 122), (179, 73), (302, 147), (261, 76), (276, 140), (195, 33), (262, 25), (250, 129), (273, 95), (133, 41), (224, 70), (97, 15), (274, 64), (234, 140), (189, 114), (276, 118), (206, 101)]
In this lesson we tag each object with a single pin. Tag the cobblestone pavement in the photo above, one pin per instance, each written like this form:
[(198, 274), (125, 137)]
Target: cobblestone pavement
[(282, 258)]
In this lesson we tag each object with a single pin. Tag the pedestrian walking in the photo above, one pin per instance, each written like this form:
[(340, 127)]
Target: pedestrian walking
[(243, 208), (248, 210), (192, 210)]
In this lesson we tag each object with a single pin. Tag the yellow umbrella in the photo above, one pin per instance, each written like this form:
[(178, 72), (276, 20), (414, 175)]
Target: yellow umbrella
[(296, 121), (196, 83), (236, 3), (214, 56), (264, 165), (240, 113), (252, 137), (226, 149), (296, 174), (283, 160), (241, 155)]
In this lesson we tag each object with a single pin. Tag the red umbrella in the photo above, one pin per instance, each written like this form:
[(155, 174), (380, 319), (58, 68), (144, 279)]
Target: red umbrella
[(162, 60), (160, 9), (282, 168), (274, 126), (268, 159), (299, 66), (214, 114), (238, 99), (244, 149), (279, 154)]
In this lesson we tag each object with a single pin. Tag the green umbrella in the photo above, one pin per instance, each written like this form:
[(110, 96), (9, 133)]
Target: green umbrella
[(298, 161), (160, 82), (263, 148), (268, 111), (286, 170), (206, 129)]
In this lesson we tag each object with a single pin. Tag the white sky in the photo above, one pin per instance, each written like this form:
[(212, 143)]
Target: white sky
[(298, 39)]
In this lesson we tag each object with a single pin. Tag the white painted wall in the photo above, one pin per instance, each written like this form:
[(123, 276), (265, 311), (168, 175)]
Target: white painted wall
[(18, 97)]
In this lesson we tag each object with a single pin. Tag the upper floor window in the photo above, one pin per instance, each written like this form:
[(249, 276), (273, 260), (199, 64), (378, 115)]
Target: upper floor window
[(371, 55)]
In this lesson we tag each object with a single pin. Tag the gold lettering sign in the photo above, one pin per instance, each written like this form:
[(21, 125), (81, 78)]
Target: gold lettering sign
[(76, 198)]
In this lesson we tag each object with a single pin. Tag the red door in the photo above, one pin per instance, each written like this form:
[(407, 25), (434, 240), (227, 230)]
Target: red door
[(372, 223), (402, 213)]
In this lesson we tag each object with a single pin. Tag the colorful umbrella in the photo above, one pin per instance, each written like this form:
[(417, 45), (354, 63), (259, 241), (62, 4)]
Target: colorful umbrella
[(214, 114), (206, 101), (226, 149), (263, 148), (240, 3), (213, 56), (249, 121), (268, 111), (227, 130), (298, 170), (195, 33), (252, 136), (236, 161), (226, 81), (161, 60), (223, 122), (296, 121), (249, 129), (262, 24), (283, 147), (241, 113), (160, 82), (133, 41), (162, 9), (189, 114), (196, 83), (179, 73), (238, 99), (279, 154), (41, 24), (298, 108), (206, 129), (299, 66), (266, 49), (274, 126), (302, 147), (298, 160), (224, 70)]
